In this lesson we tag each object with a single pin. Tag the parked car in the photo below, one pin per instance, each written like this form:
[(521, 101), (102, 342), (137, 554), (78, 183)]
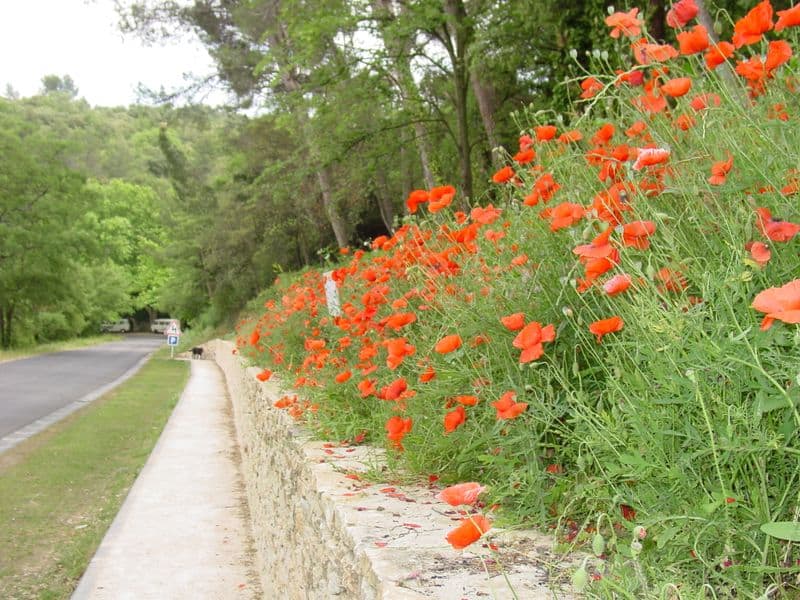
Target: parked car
[(121, 326), (161, 325)]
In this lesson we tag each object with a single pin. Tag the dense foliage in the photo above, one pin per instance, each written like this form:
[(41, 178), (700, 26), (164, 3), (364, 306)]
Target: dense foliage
[(611, 345)]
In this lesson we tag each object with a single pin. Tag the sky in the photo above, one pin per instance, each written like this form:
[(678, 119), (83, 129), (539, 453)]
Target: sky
[(80, 38)]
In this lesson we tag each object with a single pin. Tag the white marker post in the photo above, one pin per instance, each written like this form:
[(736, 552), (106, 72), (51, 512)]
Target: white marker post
[(332, 294)]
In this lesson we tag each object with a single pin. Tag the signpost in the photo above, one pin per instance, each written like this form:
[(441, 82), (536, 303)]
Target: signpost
[(173, 333)]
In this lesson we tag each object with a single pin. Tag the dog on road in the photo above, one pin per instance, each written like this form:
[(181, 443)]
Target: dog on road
[(197, 352)]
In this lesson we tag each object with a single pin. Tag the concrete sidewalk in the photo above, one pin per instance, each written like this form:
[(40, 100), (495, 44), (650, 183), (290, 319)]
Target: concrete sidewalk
[(183, 530)]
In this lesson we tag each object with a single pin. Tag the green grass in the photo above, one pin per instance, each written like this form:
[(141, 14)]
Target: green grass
[(60, 490), (27, 351)]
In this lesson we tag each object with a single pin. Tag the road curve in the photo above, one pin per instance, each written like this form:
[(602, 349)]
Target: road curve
[(32, 389)]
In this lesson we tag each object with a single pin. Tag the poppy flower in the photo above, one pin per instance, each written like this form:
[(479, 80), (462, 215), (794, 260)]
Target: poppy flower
[(254, 337), (399, 320), (685, 122), (564, 215), (693, 41), (590, 87), (775, 230), (519, 260), (681, 13), (720, 170), (454, 419), (416, 198), (647, 157), (264, 375), (506, 407), (503, 175), (469, 531), (513, 322), (646, 53), (543, 189), (788, 18), (427, 375), (703, 101), (461, 494), (779, 303), (396, 429), (671, 280), (718, 54), (366, 387), (759, 252), (466, 400), (448, 343), (626, 24), (605, 326), (524, 157), (343, 376), (751, 27), (545, 133), (675, 88), (442, 201), (636, 129), (617, 284), (603, 135), (530, 340), (485, 215), (778, 52), (571, 136)]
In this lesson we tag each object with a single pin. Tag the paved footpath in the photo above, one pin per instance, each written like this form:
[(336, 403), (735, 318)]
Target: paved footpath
[(182, 532)]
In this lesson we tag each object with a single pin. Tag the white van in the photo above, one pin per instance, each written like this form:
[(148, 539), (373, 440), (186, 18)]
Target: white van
[(121, 326), (161, 325)]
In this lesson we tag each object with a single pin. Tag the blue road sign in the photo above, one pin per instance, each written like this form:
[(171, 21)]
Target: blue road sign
[(172, 340)]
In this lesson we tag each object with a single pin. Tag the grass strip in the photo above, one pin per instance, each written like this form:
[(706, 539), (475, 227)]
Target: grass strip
[(60, 490)]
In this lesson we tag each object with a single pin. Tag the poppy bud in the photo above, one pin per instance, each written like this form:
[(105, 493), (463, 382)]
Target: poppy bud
[(580, 578), (598, 544), (636, 548)]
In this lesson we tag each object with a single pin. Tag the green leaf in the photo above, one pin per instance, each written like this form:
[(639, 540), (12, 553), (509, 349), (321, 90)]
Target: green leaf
[(783, 530)]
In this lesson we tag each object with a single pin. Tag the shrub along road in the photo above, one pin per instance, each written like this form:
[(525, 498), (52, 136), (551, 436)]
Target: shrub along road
[(34, 388)]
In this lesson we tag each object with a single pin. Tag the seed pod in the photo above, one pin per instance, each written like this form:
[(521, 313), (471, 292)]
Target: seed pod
[(598, 544), (580, 578)]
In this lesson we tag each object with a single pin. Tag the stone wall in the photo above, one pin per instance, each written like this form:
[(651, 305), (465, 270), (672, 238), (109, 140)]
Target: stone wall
[(321, 532)]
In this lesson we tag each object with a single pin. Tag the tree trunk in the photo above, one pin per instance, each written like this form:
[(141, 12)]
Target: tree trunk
[(329, 203), (485, 95), (6, 316), (459, 34), (658, 20), (409, 93), (384, 202)]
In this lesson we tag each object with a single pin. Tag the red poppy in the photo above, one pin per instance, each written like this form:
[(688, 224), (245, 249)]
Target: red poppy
[(779, 303), (466, 400), (636, 129), (720, 170), (343, 376), (671, 280), (703, 101), (751, 27), (513, 322), (777, 231), (626, 24), (396, 429), (617, 284), (718, 54), (503, 175), (759, 252), (788, 18), (415, 198), (590, 87), (545, 132), (628, 513), (681, 13), (461, 494), (485, 215), (694, 41), (470, 530), (399, 320), (530, 340), (646, 53), (506, 407), (543, 189), (564, 215), (677, 87), (647, 157), (454, 419), (264, 375), (605, 326), (254, 337), (427, 375), (524, 157), (448, 344), (637, 233)]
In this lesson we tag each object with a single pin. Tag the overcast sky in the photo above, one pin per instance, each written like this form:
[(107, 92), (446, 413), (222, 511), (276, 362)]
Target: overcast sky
[(80, 38)]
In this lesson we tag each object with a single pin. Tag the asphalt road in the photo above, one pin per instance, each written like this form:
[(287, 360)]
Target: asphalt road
[(33, 388)]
